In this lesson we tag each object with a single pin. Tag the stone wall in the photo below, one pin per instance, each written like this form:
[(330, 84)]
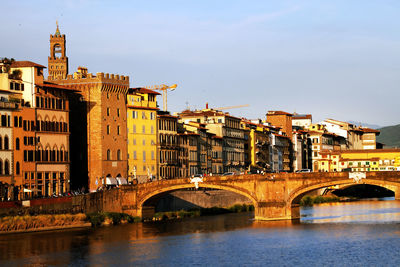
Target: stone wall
[(183, 199)]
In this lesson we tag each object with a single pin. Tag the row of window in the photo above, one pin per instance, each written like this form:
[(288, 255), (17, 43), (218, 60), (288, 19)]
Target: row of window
[(47, 155), (50, 103), (5, 121), (28, 125), (168, 156), (51, 126), (45, 175), (109, 130), (135, 115), (17, 86), (143, 142), (6, 144), (167, 139), (109, 94), (134, 155), (167, 125), (5, 167), (233, 156), (168, 172), (109, 112), (143, 129), (145, 168), (109, 155)]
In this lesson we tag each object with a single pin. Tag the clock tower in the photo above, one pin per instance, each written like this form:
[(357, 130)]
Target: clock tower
[(58, 61)]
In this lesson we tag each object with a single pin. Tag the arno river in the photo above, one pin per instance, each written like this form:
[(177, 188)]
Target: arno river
[(365, 233)]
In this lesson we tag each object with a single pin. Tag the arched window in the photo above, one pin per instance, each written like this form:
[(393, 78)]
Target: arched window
[(39, 154), (62, 154), (17, 143), (1, 142), (53, 155), (46, 156), (6, 167), (119, 154), (17, 168), (108, 154), (6, 143), (20, 122)]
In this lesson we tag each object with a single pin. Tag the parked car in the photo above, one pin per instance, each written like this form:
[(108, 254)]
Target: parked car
[(304, 170), (228, 173), (197, 175)]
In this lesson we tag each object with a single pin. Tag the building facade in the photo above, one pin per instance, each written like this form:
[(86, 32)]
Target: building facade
[(225, 126), (99, 134), (168, 146), (142, 134)]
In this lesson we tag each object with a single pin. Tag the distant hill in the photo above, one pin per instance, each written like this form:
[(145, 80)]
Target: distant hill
[(390, 136), (367, 125)]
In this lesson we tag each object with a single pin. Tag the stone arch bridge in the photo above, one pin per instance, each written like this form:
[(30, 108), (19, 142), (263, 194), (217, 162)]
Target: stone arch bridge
[(275, 196)]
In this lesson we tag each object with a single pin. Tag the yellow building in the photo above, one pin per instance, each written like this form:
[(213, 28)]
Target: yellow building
[(142, 134), (257, 146), (360, 160)]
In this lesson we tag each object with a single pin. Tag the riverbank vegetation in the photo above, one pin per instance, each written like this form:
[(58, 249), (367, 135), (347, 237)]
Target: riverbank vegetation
[(171, 215), (61, 221), (106, 218), (308, 201), (28, 222)]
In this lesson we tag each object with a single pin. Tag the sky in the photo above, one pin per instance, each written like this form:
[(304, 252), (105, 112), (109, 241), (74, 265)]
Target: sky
[(332, 59)]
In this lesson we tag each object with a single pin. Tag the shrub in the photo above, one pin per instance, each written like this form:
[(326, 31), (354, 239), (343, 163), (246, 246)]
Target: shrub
[(306, 201), (96, 219), (115, 217)]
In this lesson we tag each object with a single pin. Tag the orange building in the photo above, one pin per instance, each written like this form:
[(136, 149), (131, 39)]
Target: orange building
[(24, 148), (282, 120), (99, 133)]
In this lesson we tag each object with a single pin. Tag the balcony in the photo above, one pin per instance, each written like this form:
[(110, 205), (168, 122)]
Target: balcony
[(9, 105)]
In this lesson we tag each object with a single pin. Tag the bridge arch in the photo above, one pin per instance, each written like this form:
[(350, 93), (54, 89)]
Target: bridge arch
[(296, 195), (159, 191)]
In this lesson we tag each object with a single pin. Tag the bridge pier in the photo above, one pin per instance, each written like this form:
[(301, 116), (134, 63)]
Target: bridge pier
[(273, 211)]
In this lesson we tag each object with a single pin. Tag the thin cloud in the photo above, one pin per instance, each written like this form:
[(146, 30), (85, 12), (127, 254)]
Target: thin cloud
[(261, 18)]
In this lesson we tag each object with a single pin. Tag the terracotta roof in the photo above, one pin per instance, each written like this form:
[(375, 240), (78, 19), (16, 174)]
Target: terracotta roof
[(280, 135), (372, 150), (56, 86), (369, 159), (140, 107), (189, 133), (302, 116), (206, 113), (333, 121), (142, 90), (6, 91), (278, 112), (369, 130), (167, 116), (22, 64)]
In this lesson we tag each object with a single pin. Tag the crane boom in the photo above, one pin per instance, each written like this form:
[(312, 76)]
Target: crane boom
[(163, 88), (231, 107)]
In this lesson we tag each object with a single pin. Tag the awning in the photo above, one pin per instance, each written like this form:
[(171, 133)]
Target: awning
[(121, 180), (111, 181)]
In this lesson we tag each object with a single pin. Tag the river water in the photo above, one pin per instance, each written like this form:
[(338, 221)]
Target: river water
[(364, 233)]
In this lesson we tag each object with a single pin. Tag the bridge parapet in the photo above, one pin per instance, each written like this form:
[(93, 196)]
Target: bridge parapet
[(275, 196)]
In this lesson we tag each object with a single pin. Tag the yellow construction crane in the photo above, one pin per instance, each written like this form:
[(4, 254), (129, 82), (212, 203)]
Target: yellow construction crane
[(231, 107), (163, 88)]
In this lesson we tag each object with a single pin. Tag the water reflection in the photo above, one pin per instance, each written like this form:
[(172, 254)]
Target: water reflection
[(232, 239), (368, 211)]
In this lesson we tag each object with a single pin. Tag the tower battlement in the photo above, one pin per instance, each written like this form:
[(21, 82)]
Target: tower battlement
[(54, 36), (105, 77)]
